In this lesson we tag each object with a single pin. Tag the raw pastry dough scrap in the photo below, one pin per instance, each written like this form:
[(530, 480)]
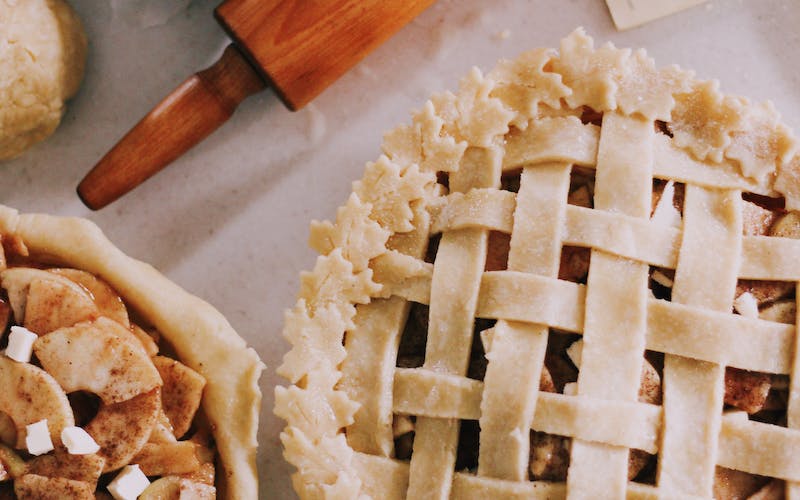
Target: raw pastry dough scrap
[(42, 57), (421, 360)]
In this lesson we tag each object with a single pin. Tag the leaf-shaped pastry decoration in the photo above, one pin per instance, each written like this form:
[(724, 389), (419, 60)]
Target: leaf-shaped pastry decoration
[(761, 143), (424, 143), (440, 152), (522, 84), (390, 191), (325, 468), (403, 145), (359, 237), (314, 339), (333, 282), (788, 183), (703, 120), (472, 115), (648, 91), (316, 413), (591, 74)]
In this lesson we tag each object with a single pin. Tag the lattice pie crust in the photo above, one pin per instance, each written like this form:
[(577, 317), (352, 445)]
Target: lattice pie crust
[(201, 337), (539, 124)]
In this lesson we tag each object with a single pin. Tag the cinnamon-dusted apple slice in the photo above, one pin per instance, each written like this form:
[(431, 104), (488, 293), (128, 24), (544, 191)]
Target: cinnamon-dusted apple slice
[(147, 341), (15, 282), (13, 465), (129, 335), (30, 394), (162, 431), (8, 431), (122, 429), (181, 393), (205, 474), (44, 301), (52, 488), (164, 459), (90, 357), (787, 226), (176, 488), (5, 315), (86, 468), (105, 298)]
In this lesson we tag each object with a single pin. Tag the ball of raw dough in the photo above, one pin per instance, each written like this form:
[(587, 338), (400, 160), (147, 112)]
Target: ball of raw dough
[(42, 57)]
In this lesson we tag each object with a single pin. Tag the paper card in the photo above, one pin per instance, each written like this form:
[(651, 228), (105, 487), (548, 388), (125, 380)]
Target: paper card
[(631, 13)]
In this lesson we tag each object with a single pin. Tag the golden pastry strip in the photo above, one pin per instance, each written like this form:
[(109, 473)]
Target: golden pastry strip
[(793, 406), (712, 219), (389, 479), (450, 325), (745, 343), (518, 350), (555, 413), (616, 302), (373, 347), (370, 368)]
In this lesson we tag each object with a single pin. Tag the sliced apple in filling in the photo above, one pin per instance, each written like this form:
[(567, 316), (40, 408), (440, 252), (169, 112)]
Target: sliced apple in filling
[(163, 459), (30, 395), (43, 301), (181, 394), (122, 429), (8, 430), (55, 488), (142, 402), (105, 298), (89, 357), (86, 468), (177, 488)]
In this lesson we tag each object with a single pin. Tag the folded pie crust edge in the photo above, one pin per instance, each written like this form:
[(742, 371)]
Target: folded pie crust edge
[(203, 339)]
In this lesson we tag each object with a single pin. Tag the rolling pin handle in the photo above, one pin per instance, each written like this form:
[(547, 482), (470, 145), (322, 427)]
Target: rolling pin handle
[(188, 115)]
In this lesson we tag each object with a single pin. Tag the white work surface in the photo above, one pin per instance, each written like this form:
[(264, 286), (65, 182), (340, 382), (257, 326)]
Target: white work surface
[(229, 221)]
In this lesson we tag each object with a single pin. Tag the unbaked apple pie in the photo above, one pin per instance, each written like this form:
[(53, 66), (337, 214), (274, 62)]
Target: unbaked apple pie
[(117, 382), (574, 277)]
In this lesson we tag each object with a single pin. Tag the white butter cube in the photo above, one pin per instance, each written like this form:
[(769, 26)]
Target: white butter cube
[(665, 212), (38, 439), (129, 483), (662, 279), (575, 352), (747, 305), (20, 344), (78, 441)]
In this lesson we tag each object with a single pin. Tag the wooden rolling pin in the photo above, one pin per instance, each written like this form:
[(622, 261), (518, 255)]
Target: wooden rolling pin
[(297, 47)]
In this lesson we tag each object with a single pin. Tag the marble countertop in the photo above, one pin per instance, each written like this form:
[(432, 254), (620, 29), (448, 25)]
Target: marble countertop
[(229, 221)]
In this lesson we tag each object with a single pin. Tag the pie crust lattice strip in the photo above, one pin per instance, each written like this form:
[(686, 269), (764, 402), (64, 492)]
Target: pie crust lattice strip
[(544, 119)]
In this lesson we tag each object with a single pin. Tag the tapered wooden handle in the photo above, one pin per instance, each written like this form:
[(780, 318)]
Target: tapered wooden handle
[(185, 117), (302, 46)]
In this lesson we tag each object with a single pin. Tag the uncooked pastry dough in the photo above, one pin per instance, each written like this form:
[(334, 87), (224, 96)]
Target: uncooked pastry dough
[(42, 58), (202, 338), (499, 155)]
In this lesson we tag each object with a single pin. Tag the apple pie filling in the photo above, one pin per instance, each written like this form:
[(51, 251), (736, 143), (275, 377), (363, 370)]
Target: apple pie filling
[(100, 407)]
